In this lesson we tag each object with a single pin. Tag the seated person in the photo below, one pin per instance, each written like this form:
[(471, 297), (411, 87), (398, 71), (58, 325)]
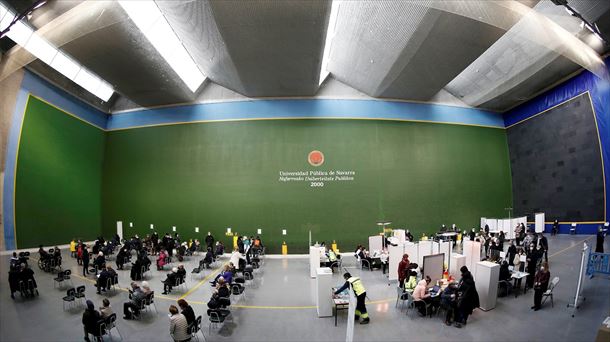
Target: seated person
[(132, 308), (170, 281), (421, 295), (100, 262), (162, 259), (105, 309), (220, 249), (222, 289), (181, 273), (102, 281), (257, 245), (384, 258), (44, 255), (238, 260), (411, 281), (146, 288), (332, 257), (226, 274), (181, 251), (449, 302), (90, 321), (209, 258)]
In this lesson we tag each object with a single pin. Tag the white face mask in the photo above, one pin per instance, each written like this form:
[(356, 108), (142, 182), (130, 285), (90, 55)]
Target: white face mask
[(542, 268)]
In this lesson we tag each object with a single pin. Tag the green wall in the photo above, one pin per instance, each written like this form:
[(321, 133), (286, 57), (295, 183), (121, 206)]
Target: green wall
[(225, 174), (59, 177)]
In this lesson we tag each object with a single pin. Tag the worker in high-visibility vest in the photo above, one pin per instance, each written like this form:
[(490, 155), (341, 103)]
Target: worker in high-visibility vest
[(360, 292)]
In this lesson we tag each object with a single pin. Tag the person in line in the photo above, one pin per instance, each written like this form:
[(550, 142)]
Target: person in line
[(518, 234), (449, 302), (532, 261), (511, 252), (187, 311), (105, 309), (541, 284), (403, 265), (599, 243), (360, 292), (472, 234), (132, 308), (170, 281), (178, 326), (79, 253), (421, 296), (85, 261), (90, 322), (468, 298), (543, 242)]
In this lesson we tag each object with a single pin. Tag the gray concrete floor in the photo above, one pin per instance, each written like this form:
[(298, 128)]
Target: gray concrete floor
[(280, 307)]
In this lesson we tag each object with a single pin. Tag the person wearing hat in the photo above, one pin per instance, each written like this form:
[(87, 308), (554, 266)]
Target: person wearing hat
[(90, 319), (360, 292)]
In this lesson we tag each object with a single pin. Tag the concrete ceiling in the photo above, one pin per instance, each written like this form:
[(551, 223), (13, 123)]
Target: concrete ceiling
[(409, 50)]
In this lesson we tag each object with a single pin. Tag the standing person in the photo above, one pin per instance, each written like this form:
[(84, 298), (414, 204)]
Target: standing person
[(468, 298), (409, 236), (472, 234), (240, 245), (555, 229), (209, 241), (360, 292), (501, 239), (511, 252), (73, 248), (448, 301), (178, 327), (85, 260), (532, 261), (544, 243), (599, 245), (403, 265), (541, 283)]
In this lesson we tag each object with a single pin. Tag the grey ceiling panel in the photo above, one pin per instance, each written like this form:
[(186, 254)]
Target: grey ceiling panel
[(370, 36), (452, 43), (194, 23), (276, 46), (548, 75)]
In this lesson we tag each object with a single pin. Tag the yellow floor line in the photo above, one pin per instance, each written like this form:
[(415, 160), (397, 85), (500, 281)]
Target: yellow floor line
[(567, 248), (202, 282)]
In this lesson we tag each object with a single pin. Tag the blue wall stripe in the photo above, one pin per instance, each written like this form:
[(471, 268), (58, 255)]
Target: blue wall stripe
[(305, 108)]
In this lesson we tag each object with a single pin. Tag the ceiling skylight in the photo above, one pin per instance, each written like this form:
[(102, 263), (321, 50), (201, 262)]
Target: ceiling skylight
[(42, 49), (148, 18), (330, 34)]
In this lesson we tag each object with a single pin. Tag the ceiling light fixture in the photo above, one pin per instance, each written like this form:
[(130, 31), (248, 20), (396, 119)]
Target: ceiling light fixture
[(147, 16), (330, 34), (24, 36)]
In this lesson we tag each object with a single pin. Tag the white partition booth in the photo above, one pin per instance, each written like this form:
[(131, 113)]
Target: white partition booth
[(487, 275), (423, 248), (539, 220), (324, 283), (472, 252), (314, 259), (506, 225), (400, 235), (394, 258), (457, 261), (375, 243)]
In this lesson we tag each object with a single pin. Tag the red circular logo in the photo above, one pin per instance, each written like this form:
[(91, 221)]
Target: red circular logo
[(315, 158)]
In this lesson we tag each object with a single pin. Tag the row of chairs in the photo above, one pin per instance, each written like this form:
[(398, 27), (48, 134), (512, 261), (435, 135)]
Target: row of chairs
[(72, 295), (63, 277)]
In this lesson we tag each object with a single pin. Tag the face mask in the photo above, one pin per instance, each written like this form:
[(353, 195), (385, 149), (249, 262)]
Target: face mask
[(542, 268)]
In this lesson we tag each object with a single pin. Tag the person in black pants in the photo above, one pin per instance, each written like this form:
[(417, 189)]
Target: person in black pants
[(599, 244), (541, 283), (85, 260), (555, 229)]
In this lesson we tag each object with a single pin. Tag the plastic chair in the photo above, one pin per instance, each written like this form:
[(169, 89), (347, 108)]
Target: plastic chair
[(59, 279), (217, 317), (67, 277), (549, 292), (427, 306), (80, 294), (70, 298), (107, 325), (195, 328), (401, 295), (196, 270)]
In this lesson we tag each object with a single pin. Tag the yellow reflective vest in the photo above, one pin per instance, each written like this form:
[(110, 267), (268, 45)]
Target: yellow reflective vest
[(356, 285)]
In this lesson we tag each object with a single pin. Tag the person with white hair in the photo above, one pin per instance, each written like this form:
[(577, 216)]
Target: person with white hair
[(170, 281), (100, 262), (146, 288)]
